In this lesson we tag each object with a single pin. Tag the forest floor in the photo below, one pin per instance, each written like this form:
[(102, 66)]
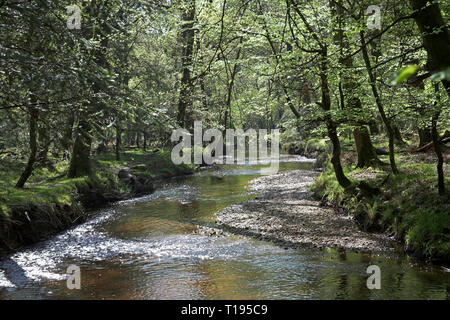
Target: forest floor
[(285, 213), (51, 202)]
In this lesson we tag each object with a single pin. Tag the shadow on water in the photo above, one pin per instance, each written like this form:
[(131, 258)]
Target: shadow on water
[(14, 274)]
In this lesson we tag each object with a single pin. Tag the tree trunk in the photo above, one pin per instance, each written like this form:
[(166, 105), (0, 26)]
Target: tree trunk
[(34, 115), (80, 164), (44, 143), (144, 146), (425, 136), (349, 100), (437, 147), (367, 156), (66, 141), (185, 102), (118, 141), (386, 120), (438, 151), (138, 139), (374, 130), (398, 135), (230, 85), (429, 18), (331, 125)]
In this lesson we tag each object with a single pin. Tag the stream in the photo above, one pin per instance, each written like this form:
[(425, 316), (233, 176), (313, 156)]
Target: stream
[(147, 248)]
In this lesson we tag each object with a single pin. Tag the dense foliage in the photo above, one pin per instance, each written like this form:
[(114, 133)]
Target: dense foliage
[(318, 70)]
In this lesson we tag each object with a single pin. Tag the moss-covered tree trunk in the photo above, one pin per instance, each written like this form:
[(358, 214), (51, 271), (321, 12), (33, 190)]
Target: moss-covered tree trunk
[(367, 156)]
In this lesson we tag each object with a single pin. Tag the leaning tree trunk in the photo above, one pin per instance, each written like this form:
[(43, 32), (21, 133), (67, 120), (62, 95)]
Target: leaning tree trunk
[(80, 163), (34, 115), (386, 120)]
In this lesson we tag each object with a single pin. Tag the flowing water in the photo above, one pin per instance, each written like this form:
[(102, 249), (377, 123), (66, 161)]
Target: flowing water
[(146, 248)]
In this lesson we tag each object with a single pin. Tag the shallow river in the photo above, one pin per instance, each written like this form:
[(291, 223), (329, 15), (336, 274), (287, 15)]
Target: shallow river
[(146, 248)]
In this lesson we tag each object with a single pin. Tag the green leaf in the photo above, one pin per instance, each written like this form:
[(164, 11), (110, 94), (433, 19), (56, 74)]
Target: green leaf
[(404, 74)]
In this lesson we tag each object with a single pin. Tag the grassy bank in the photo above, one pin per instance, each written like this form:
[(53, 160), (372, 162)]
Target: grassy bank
[(51, 202), (408, 208)]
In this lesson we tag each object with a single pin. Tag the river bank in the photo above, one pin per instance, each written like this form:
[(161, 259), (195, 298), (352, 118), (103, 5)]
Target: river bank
[(48, 206), (407, 207), (284, 213)]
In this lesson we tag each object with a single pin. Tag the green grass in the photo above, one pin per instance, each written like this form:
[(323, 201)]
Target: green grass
[(409, 206), (52, 187)]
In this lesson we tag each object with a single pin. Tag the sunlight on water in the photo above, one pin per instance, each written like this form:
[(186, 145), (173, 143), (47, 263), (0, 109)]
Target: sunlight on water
[(146, 248)]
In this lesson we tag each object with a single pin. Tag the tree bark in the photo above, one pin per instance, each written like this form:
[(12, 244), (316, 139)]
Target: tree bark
[(367, 156), (349, 100), (425, 136), (185, 102), (66, 141), (118, 140), (437, 147), (33, 126), (44, 142), (80, 164), (230, 85), (138, 139), (398, 135), (331, 125), (429, 19), (144, 145)]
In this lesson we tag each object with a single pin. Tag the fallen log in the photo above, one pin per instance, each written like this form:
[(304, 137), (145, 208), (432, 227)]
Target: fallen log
[(442, 140)]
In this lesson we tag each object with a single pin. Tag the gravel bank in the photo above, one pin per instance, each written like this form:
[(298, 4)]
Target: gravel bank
[(284, 213)]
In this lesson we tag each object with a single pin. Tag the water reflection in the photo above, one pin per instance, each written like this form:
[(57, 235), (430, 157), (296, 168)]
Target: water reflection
[(145, 249)]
